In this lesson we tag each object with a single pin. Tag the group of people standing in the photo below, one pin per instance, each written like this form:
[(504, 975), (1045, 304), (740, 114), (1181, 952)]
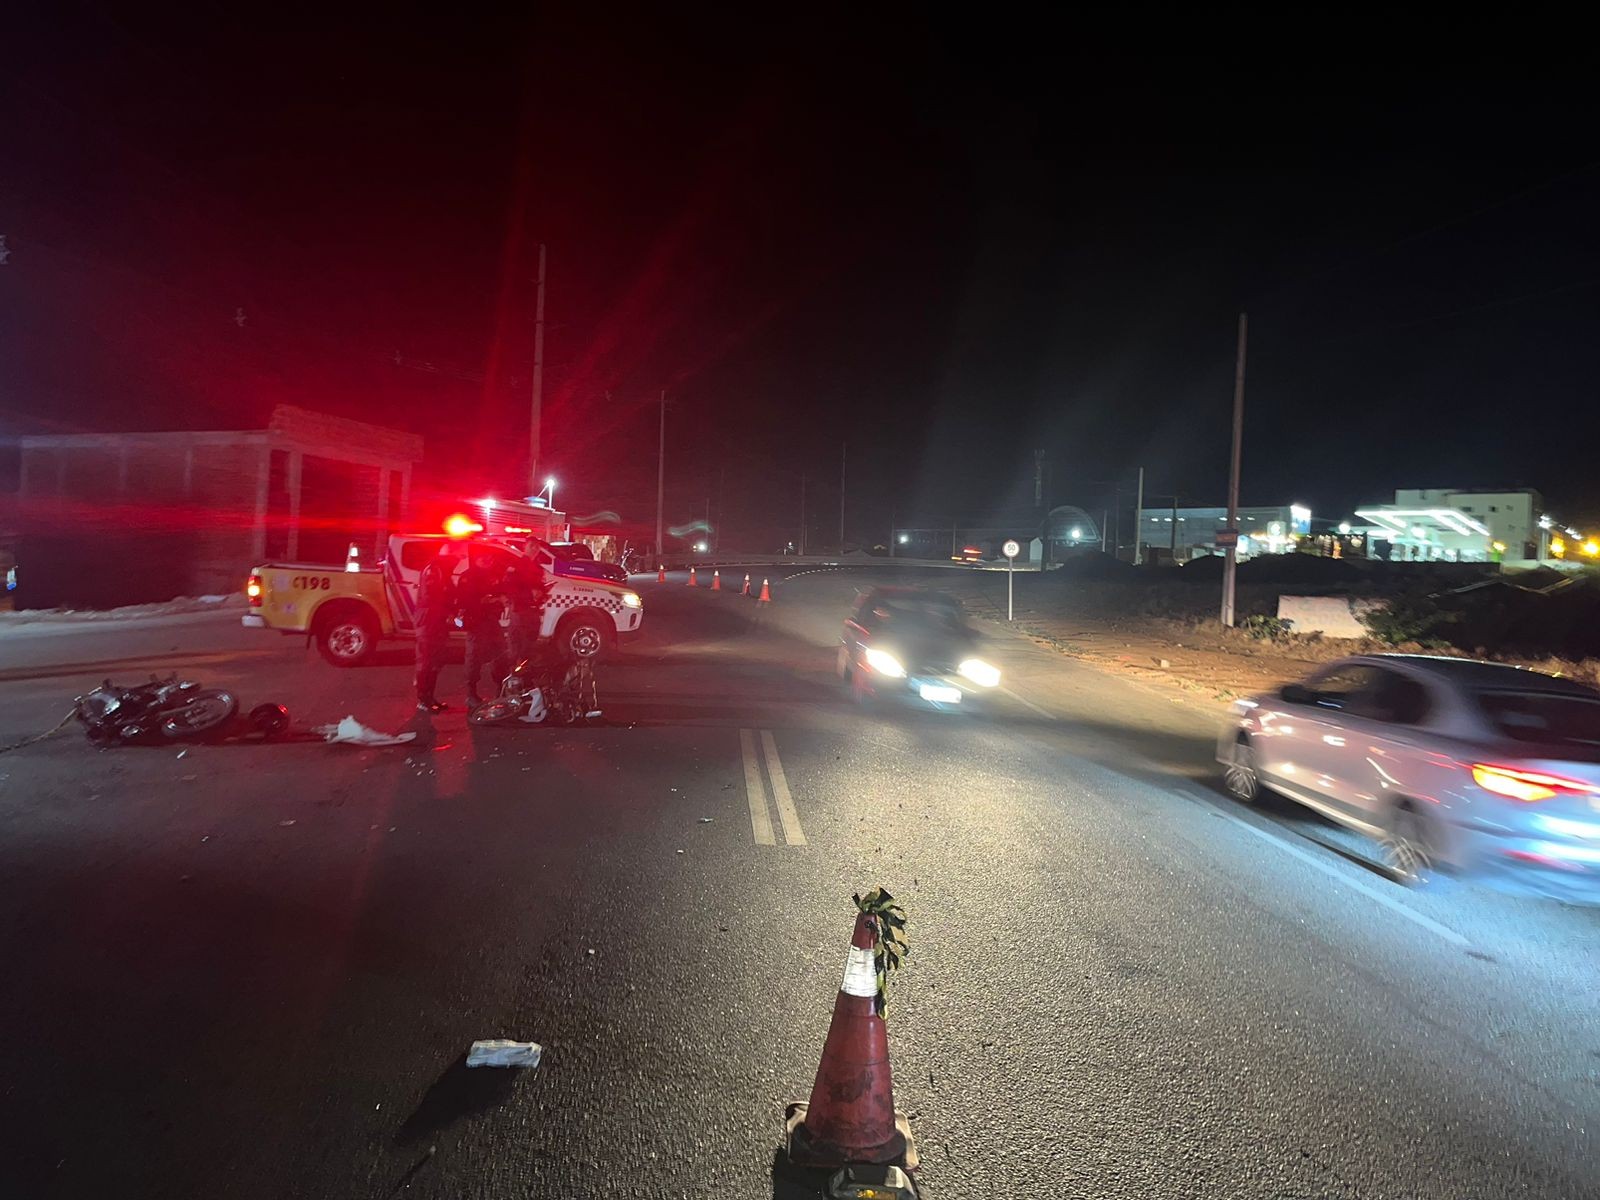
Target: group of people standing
[(486, 589)]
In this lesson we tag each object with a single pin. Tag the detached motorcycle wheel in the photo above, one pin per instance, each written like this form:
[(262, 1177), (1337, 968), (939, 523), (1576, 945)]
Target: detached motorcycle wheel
[(205, 713), (495, 712)]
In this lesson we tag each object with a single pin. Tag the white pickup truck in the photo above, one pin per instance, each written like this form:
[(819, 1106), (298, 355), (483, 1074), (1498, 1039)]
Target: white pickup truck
[(349, 612)]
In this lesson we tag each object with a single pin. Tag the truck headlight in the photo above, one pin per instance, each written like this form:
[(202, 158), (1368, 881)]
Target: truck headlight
[(631, 600), (980, 672), (884, 663)]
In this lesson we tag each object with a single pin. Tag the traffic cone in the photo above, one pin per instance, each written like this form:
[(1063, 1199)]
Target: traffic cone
[(850, 1117), (746, 591), (716, 581), (766, 593), (692, 583), (661, 573)]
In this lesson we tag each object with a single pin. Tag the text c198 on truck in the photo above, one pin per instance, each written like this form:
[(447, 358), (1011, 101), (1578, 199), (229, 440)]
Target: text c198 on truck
[(348, 613)]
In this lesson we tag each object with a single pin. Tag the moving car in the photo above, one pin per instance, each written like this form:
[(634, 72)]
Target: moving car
[(1480, 767), (912, 644), (347, 612)]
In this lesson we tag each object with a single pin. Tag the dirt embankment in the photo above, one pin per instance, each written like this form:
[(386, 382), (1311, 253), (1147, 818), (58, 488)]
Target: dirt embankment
[(1162, 625)]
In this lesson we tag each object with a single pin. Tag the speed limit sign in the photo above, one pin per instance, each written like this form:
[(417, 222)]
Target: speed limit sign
[(1010, 550)]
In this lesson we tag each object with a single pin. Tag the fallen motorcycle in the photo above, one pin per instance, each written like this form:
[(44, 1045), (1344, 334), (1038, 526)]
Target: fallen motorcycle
[(562, 695), (163, 710)]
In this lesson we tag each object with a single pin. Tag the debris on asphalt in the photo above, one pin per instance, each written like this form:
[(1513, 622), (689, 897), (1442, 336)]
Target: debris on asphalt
[(188, 779), (590, 951), (286, 824), (680, 851), (181, 753), (352, 732), (707, 820), (500, 1052)]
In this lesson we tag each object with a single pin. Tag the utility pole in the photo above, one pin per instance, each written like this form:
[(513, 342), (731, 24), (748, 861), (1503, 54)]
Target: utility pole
[(802, 516), (538, 381), (661, 481), (893, 537), (843, 446), (1174, 531), (1230, 566), (1105, 530), (1138, 523)]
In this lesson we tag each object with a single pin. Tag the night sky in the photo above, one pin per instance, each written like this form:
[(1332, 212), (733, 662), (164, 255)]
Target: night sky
[(945, 246)]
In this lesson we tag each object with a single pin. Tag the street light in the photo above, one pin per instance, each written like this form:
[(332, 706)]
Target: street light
[(904, 538)]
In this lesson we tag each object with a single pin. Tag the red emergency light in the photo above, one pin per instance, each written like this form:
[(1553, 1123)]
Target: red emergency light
[(459, 525)]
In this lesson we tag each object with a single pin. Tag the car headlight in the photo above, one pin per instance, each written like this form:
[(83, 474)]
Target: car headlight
[(980, 672), (885, 663), (631, 600)]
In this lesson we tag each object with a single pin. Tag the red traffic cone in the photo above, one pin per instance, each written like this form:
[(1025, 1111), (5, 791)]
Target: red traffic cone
[(692, 582), (746, 591), (766, 593), (850, 1117), (716, 581), (661, 573)]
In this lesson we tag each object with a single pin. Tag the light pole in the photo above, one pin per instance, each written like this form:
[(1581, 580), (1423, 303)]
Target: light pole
[(1230, 565)]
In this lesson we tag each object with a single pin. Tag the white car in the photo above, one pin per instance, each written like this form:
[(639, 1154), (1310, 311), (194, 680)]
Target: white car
[(1483, 768)]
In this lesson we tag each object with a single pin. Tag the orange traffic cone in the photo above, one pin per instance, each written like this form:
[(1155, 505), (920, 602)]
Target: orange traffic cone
[(850, 1117), (766, 593), (692, 582), (661, 573), (716, 581), (746, 591)]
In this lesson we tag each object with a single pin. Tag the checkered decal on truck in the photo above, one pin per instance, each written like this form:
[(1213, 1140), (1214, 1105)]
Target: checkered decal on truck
[(600, 600)]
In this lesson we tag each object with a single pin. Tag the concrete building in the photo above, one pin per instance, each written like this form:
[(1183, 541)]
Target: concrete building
[(123, 518), (1456, 525), (1185, 533)]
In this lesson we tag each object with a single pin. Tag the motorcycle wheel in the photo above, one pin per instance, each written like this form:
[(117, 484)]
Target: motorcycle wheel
[(206, 712), (495, 712)]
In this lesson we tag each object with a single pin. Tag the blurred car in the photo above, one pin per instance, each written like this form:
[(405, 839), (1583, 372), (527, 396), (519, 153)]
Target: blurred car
[(905, 643), (1483, 768)]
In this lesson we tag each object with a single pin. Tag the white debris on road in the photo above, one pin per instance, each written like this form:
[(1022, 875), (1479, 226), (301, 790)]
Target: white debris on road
[(353, 733), (499, 1052)]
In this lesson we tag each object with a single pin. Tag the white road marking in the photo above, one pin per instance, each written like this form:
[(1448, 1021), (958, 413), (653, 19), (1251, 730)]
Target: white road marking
[(1389, 902), (1045, 713), (780, 792), (760, 820)]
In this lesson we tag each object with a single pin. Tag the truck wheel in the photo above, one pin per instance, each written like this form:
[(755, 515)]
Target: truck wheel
[(348, 639), (582, 634)]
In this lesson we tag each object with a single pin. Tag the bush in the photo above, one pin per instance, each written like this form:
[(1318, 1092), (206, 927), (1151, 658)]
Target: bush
[(1413, 617), (1259, 625)]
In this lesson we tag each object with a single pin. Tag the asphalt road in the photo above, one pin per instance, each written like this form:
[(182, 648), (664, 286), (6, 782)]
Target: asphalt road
[(253, 971)]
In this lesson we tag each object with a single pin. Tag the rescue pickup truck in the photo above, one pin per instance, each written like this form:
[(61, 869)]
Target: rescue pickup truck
[(348, 612)]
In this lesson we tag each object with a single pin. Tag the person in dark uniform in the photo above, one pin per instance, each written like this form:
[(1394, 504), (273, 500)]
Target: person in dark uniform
[(479, 598), (436, 604), (526, 590)]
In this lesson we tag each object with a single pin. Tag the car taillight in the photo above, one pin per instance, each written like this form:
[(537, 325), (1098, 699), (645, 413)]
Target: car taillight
[(1528, 786), (252, 588)]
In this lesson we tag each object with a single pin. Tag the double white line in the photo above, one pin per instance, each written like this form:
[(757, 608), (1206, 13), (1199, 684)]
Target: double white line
[(760, 819)]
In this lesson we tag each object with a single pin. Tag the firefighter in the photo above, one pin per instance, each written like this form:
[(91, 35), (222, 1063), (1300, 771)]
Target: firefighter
[(436, 603), (479, 597)]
